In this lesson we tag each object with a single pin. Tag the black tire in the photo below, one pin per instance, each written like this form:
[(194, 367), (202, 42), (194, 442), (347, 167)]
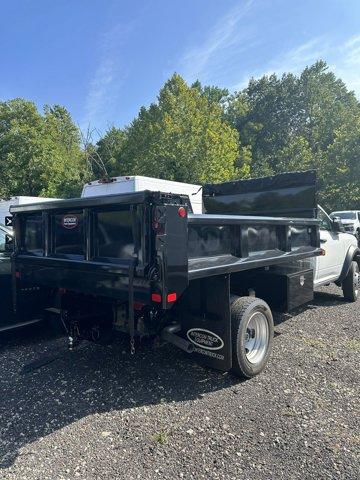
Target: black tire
[(243, 310), (350, 285)]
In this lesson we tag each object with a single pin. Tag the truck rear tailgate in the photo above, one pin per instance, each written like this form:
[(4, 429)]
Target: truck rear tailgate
[(84, 245)]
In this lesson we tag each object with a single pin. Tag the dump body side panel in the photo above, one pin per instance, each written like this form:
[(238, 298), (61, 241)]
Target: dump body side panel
[(285, 195), (221, 244)]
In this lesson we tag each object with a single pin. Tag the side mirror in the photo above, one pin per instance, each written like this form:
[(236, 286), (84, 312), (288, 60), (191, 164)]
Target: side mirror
[(336, 224)]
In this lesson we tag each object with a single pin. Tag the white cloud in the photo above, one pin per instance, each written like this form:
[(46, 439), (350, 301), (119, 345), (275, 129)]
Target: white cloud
[(293, 61), (305, 54), (352, 50), (343, 59), (221, 54), (348, 67), (224, 39), (105, 85)]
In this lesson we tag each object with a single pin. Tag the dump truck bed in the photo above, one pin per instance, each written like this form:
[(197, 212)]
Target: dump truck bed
[(94, 245)]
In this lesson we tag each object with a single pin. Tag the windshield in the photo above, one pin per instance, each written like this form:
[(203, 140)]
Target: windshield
[(344, 215)]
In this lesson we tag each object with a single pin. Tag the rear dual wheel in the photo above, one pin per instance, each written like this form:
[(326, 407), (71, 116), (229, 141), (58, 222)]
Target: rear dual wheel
[(252, 335)]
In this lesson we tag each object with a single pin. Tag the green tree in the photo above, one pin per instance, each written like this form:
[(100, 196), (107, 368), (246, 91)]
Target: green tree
[(39, 154), (294, 122), (65, 170), (107, 159), (183, 137), (342, 178), (20, 151)]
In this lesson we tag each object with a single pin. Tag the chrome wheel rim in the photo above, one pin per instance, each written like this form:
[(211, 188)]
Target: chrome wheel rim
[(256, 337), (356, 278)]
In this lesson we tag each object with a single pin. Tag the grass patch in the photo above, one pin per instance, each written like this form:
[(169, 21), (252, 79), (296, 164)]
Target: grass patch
[(312, 342), (289, 412), (353, 345), (161, 437)]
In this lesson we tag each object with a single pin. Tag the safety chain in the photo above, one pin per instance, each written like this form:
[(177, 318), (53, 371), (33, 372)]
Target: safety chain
[(132, 346)]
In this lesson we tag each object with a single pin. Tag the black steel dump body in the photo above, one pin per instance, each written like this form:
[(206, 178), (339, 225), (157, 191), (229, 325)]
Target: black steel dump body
[(156, 268), (93, 245), (286, 195)]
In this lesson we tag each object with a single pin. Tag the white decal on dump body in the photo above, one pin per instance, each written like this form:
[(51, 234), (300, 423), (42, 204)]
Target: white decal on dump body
[(205, 339), (70, 221)]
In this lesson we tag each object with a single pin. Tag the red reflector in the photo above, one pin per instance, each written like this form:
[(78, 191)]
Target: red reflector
[(138, 305), (323, 252), (18, 274), (182, 212), (156, 297), (171, 297)]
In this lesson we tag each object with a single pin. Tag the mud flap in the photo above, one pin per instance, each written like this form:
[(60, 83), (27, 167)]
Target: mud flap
[(204, 314)]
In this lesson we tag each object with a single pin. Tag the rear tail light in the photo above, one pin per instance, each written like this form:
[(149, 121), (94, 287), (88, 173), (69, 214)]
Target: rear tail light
[(156, 297), (182, 212), (172, 297)]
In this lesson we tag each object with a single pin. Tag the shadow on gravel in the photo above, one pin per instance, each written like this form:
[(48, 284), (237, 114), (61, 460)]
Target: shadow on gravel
[(92, 379), (322, 299)]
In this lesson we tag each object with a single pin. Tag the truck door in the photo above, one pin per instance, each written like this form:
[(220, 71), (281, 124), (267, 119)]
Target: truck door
[(5, 284), (328, 267)]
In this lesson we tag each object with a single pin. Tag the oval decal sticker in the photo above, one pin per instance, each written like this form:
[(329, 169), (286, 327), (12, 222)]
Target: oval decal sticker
[(205, 339), (70, 221)]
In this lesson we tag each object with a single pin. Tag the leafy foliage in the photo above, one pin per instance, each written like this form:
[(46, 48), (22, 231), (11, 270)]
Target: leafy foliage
[(296, 123), (182, 137), (109, 150), (39, 154), (342, 180), (195, 133)]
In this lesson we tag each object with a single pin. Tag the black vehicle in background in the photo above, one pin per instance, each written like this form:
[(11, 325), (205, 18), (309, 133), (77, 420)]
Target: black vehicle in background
[(144, 264), (8, 318)]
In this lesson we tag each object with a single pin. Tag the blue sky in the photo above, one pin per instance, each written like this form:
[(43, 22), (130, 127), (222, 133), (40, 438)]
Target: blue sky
[(104, 59)]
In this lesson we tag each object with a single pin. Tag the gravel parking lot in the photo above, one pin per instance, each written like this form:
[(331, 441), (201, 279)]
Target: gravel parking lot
[(98, 413)]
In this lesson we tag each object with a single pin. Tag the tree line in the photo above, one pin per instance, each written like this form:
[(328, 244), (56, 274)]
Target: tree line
[(196, 134)]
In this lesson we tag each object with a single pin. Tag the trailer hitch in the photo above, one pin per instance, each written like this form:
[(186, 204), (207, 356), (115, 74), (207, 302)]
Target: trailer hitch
[(168, 334)]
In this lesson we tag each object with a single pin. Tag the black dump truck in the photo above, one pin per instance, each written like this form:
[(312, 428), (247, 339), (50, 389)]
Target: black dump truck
[(144, 264)]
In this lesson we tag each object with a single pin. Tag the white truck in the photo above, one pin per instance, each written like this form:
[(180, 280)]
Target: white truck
[(350, 220), (138, 183), (340, 262)]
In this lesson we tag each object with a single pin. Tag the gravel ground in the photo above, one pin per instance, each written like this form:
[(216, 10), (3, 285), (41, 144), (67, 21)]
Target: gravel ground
[(98, 413)]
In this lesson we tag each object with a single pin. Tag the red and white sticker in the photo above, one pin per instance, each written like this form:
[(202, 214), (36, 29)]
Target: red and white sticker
[(70, 221)]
